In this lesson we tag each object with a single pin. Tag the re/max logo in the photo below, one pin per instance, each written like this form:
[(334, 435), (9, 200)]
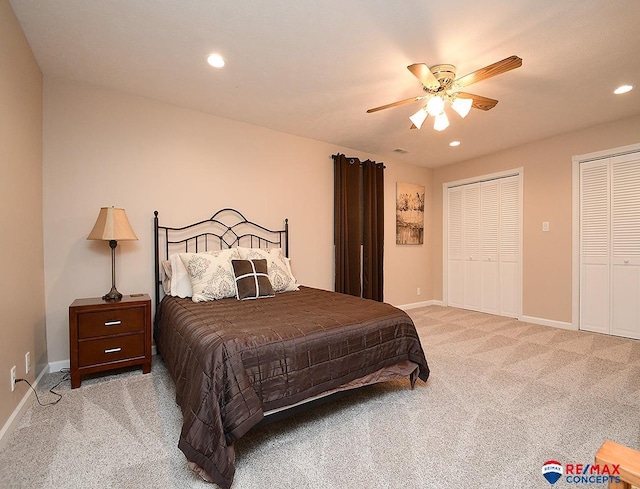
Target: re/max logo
[(582, 469)]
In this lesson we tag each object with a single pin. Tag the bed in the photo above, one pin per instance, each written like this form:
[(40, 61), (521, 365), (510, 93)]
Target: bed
[(237, 362)]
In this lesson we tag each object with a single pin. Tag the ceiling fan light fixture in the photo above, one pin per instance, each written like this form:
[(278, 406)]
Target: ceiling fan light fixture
[(462, 106), (419, 117), (441, 87), (441, 122), (435, 105)]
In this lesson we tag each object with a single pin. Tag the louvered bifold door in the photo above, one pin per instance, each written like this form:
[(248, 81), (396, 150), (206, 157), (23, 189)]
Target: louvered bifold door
[(484, 246), (594, 246), (455, 248), (471, 212), (625, 246), (489, 246), (509, 256)]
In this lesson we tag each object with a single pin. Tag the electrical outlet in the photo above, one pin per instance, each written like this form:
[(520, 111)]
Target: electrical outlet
[(27, 362), (13, 378), (418, 291)]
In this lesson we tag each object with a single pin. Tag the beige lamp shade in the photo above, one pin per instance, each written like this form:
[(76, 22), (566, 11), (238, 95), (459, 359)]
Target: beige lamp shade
[(112, 224)]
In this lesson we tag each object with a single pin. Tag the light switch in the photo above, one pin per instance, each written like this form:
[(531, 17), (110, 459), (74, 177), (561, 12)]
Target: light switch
[(545, 226)]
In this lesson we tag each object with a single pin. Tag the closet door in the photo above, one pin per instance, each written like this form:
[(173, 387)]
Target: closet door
[(483, 247), (455, 251), (509, 234), (625, 246), (489, 246), (471, 212), (463, 260), (594, 246)]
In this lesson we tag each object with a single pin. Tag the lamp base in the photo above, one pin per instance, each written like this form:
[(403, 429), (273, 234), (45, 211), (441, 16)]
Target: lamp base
[(112, 295)]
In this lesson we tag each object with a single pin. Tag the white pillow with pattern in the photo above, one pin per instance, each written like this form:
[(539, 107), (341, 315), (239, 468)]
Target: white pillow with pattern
[(211, 274)]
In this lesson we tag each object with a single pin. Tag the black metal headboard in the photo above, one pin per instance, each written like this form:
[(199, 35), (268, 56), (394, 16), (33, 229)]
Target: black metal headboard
[(227, 228)]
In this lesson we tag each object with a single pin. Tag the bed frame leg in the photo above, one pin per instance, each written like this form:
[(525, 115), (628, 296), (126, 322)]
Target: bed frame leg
[(413, 377)]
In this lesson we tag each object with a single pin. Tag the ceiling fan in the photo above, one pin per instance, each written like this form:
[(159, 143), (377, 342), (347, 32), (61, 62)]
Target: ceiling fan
[(441, 85)]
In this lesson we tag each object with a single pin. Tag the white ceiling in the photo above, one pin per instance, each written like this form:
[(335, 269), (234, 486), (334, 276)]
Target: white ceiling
[(313, 67)]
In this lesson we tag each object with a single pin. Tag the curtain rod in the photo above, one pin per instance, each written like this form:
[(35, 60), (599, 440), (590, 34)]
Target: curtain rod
[(353, 159)]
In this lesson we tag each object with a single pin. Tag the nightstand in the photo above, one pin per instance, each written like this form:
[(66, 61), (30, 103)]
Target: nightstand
[(105, 335)]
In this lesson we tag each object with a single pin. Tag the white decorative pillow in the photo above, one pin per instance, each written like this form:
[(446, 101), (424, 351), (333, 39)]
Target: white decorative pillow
[(180, 281), (211, 274), (278, 267)]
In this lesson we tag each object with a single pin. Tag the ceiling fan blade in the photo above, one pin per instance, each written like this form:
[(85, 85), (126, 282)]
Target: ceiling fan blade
[(507, 64), (479, 102), (413, 126), (395, 104), (422, 72)]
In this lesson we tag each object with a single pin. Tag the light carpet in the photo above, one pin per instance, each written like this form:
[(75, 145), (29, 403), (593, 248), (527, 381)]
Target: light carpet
[(504, 396)]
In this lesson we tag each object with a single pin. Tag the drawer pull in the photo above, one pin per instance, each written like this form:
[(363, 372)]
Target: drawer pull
[(113, 350), (113, 323)]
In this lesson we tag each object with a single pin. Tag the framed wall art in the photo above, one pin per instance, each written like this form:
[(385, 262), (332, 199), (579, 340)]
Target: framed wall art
[(409, 214)]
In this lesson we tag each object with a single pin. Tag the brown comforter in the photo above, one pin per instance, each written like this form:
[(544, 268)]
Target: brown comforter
[(233, 360)]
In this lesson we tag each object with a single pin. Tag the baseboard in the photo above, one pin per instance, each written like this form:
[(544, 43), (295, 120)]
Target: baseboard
[(57, 366), (548, 322), (11, 424), (416, 305)]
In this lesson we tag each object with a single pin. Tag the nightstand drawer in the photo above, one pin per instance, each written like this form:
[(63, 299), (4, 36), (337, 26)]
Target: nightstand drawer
[(95, 352), (107, 323)]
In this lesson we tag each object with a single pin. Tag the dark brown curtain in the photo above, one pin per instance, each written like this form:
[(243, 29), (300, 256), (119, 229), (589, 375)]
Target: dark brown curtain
[(372, 229), (359, 225), (347, 224)]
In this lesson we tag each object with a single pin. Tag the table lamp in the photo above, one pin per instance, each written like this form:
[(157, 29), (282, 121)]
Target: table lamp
[(112, 225)]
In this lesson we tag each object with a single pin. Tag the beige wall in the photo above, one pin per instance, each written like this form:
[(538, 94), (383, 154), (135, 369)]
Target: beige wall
[(22, 326), (547, 197), (407, 267), (105, 148)]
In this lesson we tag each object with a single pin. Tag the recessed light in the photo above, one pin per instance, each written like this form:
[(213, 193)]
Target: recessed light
[(215, 60), (454, 143), (623, 89)]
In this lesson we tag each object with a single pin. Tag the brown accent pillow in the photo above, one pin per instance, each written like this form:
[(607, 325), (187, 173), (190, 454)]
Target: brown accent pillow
[(252, 279)]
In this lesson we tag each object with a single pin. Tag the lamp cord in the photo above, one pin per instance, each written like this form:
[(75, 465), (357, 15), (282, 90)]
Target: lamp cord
[(65, 376)]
